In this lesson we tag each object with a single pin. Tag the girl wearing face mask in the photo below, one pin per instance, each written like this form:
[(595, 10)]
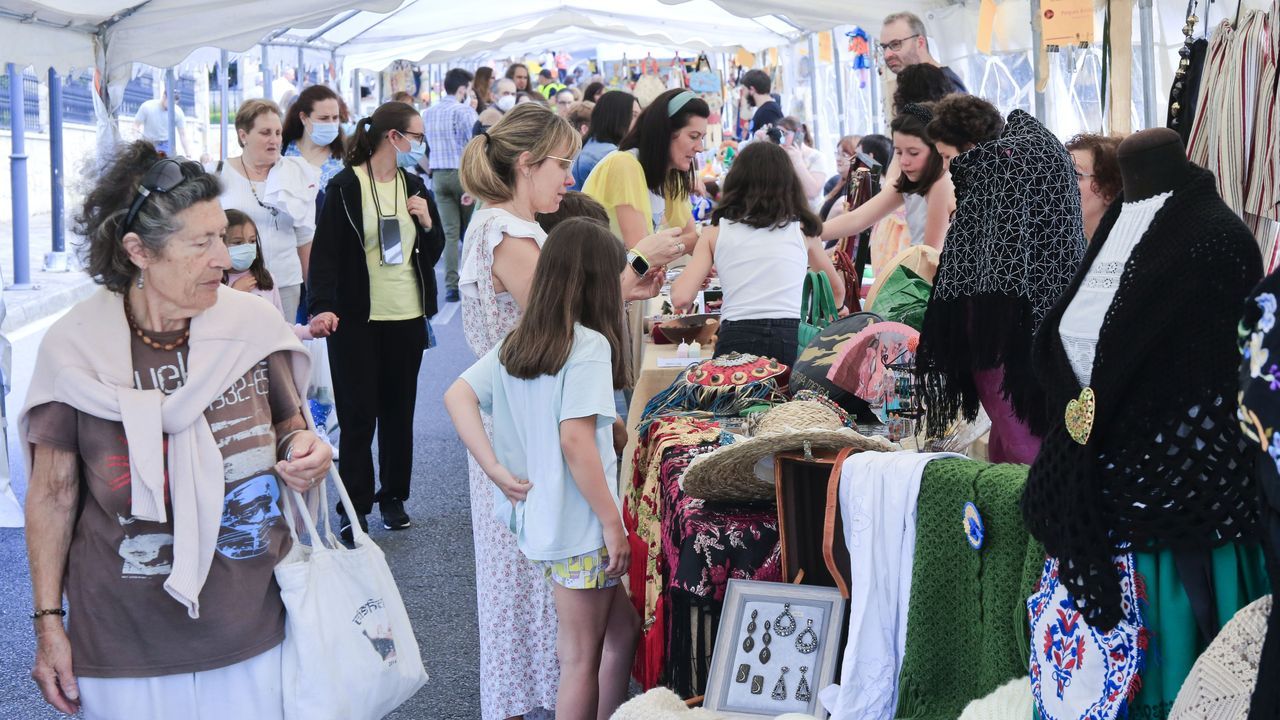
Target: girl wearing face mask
[(248, 272), (372, 286), (278, 193), (312, 130)]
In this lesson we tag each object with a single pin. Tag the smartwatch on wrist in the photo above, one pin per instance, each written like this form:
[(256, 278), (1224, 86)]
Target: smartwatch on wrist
[(639, 264)]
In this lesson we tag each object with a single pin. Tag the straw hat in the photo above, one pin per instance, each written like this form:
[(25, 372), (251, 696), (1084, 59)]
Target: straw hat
[(728, 473), (661, 704)]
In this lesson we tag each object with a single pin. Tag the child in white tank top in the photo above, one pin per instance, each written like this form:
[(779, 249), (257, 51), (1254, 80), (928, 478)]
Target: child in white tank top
[(762, 241)]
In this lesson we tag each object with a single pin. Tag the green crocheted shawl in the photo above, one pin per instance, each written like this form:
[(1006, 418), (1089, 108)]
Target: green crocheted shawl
[(967, 630)]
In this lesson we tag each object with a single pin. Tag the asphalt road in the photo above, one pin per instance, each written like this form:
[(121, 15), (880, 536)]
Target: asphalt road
[(433, 561)]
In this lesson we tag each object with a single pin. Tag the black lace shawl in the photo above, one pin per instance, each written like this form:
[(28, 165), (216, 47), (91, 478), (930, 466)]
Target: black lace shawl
[(1014, 243), (1166, 465)]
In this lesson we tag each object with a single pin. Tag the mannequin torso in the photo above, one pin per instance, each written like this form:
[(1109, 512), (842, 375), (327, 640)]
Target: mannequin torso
[(1152, 162)]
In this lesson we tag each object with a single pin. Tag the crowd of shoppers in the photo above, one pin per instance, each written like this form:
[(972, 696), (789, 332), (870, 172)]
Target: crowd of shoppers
[(338, 233)]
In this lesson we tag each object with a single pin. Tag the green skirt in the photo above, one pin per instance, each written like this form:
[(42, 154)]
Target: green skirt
[(1239, 578)]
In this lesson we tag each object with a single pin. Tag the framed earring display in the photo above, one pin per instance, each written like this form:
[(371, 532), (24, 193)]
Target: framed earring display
[(776, 648)]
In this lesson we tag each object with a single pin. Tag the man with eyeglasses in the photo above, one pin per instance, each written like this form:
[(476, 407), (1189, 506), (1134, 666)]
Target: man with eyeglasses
[(449, 124), (904, 41)]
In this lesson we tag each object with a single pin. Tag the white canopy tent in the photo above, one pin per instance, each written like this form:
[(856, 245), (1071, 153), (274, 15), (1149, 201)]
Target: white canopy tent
[(370, 34)]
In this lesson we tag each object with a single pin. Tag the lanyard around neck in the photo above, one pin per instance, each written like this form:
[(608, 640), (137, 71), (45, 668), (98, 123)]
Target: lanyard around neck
[(373, 186)]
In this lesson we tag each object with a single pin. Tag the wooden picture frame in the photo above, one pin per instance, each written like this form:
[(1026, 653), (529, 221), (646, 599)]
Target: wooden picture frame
[(733, 698)]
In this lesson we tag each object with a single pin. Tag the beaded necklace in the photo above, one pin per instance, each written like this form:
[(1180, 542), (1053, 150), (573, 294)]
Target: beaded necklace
[(149, 342)]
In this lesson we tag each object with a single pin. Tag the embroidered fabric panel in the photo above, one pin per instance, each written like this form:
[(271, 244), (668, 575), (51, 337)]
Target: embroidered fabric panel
[(1078, 671)]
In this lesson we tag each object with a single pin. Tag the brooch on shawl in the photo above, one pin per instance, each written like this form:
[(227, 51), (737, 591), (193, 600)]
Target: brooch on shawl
[(1079, 416)]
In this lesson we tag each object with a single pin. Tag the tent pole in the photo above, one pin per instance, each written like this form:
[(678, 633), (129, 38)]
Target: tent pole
[(877, 84), (300, 81), (171, 87), (57, 260), (1147, 19), (815, 114), (18, 181), (266, 74), (222, 104), (1039, 105), (840, 88), (355, 95)]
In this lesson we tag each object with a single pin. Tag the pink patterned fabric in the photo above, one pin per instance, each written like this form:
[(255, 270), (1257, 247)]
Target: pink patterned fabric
[(519, 672)]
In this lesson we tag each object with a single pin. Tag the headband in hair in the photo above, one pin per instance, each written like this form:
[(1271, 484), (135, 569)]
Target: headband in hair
[(918, 112), (679, 101)]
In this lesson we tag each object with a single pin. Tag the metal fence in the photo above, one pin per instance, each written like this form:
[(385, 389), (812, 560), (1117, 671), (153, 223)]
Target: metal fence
[(77, 99), (141, 89), (30, 102)]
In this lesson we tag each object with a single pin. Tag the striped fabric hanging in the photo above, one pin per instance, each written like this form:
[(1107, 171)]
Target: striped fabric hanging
[(1236, 133)]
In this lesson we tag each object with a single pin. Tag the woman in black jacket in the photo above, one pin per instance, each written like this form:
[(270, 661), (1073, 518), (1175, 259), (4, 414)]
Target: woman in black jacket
[(372, 286)]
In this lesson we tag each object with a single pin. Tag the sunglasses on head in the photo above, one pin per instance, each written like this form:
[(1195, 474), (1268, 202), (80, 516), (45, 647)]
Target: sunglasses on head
[(163, 177)]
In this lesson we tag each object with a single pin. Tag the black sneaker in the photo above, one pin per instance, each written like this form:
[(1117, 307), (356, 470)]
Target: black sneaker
[(452, 296), (344, 527), (393, 515)]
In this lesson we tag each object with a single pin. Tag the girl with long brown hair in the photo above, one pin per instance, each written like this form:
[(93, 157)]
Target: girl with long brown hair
[(923, 186), (519, 168), (762, 240), (549, 390)]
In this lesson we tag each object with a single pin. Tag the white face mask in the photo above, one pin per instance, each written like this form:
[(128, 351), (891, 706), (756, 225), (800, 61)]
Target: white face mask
[(506, 102)]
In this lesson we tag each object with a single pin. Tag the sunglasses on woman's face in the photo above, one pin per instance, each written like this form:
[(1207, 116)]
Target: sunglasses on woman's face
[(163, 177)]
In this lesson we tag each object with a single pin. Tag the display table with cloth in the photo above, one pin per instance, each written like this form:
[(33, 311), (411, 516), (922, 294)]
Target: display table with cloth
[(652, 378), (684, 552)]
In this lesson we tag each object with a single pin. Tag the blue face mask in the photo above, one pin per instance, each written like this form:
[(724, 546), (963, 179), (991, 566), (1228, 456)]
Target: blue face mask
[(324, 133), (409, 158), (349, 128), (242, 256)]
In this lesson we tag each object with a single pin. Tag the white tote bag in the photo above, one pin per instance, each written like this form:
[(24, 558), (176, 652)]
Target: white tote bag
[(349, 652)]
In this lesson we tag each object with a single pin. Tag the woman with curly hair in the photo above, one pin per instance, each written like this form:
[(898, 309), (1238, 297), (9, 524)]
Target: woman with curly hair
[(1013, 245), (1098, 170), (145, 487)]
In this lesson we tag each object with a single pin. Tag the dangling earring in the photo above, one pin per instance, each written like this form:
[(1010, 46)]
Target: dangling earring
[(139, 280), (749, 642), (803, 693), (807, 646), (785, 623), (780, 689)]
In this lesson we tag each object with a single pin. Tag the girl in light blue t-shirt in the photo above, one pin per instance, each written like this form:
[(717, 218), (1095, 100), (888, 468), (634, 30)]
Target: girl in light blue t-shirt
[(549, 387)]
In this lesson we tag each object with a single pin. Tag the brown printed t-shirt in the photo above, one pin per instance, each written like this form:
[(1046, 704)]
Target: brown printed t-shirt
[(122, 622)]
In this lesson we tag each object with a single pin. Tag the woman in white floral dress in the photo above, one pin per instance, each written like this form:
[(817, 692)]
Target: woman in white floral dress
[(519, 167)]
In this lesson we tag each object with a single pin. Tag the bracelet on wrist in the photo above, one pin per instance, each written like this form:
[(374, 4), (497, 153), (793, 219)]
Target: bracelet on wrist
[(284, 448), (60, 612)]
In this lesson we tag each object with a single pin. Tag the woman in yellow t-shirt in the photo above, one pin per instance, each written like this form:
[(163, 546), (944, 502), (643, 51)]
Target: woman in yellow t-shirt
[(644, 185), (371, 285)]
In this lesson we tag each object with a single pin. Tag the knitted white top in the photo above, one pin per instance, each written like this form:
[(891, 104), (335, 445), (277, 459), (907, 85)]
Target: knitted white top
[(1082, 320)]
